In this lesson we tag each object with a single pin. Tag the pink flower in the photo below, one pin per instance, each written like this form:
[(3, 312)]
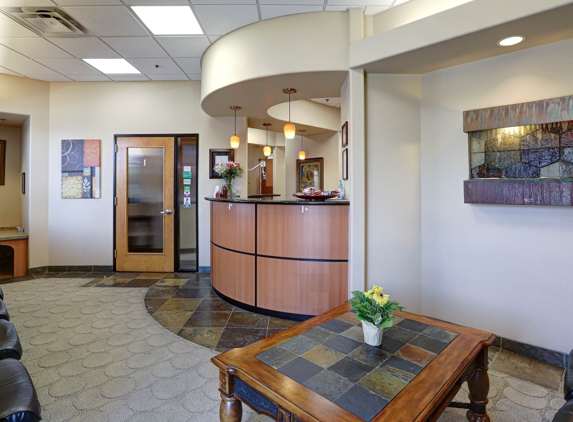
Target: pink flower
[(229, 165), (237, 164)]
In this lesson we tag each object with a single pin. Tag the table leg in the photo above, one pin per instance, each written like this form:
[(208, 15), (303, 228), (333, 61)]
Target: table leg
[(231, 409), (478, 385)]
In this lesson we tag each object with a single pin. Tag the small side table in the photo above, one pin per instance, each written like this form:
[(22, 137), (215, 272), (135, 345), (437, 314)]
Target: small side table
[(18, 241)]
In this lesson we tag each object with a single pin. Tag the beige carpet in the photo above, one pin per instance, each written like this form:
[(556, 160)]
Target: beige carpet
[(95, 354)]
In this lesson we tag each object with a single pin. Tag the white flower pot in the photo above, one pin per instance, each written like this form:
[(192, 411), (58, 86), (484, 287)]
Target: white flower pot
[(372, 334)]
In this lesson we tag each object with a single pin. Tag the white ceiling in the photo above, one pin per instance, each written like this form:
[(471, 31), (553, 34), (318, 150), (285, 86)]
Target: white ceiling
[(114, 31)]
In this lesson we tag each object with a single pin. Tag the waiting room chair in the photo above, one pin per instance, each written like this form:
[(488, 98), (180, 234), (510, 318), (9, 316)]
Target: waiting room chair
[(10, 346), (18, 398), (565, 414)]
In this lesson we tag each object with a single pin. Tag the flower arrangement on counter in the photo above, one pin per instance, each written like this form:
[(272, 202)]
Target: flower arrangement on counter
[(374, 307), (228, 170)]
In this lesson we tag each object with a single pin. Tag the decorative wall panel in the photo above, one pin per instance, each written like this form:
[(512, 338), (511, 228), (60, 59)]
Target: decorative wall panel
[(81, 168)]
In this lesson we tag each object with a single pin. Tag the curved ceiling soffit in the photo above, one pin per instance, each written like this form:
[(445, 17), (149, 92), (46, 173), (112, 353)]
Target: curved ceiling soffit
[(307, 113)]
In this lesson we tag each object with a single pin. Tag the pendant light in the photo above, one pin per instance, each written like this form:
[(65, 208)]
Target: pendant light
[(267, 148), (289, 129), (301, 153), (235, 140)]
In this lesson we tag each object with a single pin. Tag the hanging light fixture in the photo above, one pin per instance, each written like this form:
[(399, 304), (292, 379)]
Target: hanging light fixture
[(301, 153), (235, 140), (267, 148), (289, 129)]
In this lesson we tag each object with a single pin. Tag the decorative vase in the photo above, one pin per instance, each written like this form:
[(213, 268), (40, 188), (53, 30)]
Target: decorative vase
[(372, 334), (229, 185)]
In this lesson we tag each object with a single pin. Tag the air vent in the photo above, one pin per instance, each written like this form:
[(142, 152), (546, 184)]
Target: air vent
[(50, 21)]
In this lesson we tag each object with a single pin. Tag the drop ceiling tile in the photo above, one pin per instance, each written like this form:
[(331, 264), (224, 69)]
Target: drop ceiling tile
[(90, 78), (156, 2), (217, 20), (224, 2), (86, 48), (12, 29), (293, 2), (269, 12), (184, 46), (373, 10), (50, 78), (194, 76), (213, 38), (35, 48), (89, 3), (7, 53), (8, 71), (192, 65), (177, 77), (359, 2), (26, 67), (128, 78), (69, 66), (135, 47), (107, 20), (26, 3), (149, 66)]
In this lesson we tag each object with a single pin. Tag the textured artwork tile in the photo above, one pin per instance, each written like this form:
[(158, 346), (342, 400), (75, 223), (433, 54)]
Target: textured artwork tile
[(567, 139), (485, 172), (567, 154), (477, 159), (540, 157), (540, 139), (502, 159), (502, 142), (80, 168), (478, 145), (565, 169), (520, 171)]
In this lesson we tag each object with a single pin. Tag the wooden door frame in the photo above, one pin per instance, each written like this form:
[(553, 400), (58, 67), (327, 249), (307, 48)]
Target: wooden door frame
[(176, 226)]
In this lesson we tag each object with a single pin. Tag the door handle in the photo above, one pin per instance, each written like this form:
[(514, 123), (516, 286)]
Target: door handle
[(167, 211)]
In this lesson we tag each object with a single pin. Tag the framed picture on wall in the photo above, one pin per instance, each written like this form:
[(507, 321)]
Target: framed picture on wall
[(310, 173), (345, 134), (345, 164), (217, 156), (2, 161)]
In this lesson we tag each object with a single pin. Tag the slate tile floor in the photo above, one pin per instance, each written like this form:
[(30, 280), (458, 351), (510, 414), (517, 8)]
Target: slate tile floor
[(185, 304)]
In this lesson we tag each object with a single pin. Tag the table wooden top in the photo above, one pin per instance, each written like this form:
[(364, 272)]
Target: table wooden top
[(415, 402)]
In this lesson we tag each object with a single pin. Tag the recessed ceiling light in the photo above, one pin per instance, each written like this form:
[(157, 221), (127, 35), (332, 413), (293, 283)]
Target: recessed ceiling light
[(506, 42), (169, 20), (112, 66)]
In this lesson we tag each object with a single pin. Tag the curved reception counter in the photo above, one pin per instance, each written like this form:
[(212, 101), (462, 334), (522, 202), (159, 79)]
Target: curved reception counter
[(287, 258)]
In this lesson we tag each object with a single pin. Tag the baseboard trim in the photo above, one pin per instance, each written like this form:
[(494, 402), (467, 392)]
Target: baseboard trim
[(536, 352), (71, 269)]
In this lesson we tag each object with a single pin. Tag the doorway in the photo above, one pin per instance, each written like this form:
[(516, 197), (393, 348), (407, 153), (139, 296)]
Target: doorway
[(155, 221)]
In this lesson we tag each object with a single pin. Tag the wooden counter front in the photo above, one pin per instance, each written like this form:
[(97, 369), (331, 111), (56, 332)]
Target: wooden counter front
[(281, 258)]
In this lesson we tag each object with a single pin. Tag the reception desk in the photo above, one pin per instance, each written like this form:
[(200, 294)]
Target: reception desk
[(286, 258)]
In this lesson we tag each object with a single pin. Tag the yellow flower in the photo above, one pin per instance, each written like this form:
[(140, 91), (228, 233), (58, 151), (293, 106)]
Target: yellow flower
[(374, 290), (376, 294)]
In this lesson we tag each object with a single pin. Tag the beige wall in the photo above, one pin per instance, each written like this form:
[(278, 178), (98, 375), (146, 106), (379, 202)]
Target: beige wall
[(11, 191), (32, 98), (81, 231), (496, 267), (393, 232)]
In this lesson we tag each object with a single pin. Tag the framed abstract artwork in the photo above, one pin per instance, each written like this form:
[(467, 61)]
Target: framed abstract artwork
[(2, 162), (344, 134), (216, 156), (81, 168), (310, 173)]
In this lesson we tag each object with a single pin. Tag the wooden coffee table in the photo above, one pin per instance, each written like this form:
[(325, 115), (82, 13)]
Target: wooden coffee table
[(320, 370)]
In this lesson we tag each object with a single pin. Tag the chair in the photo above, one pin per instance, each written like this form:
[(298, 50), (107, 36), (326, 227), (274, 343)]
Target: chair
[(1, 294), (565, 414), (18, 398), (4, 312), (10, 346)]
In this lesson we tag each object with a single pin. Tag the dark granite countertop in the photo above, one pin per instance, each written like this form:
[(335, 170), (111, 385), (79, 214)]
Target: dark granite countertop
[(293, 201)]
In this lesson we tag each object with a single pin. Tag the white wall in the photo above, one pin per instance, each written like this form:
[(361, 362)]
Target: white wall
[(393, 234), (25, 168), (11, 191), (32, 98), (81, 231), (505, 269)]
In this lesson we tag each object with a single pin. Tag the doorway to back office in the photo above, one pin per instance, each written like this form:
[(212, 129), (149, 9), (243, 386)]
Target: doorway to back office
[(155, 197)]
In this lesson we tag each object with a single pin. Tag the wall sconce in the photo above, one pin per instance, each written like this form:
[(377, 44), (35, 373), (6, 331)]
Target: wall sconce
[(235, 140), (289, 129), (301, 153), (267, 148)]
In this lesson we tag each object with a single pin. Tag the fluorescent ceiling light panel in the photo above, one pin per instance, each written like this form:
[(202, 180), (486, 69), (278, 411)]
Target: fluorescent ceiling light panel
[(112, 66), (169, 20)]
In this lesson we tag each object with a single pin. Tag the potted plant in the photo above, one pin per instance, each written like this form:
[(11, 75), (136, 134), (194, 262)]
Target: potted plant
[(374, 309), (228, 170)]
